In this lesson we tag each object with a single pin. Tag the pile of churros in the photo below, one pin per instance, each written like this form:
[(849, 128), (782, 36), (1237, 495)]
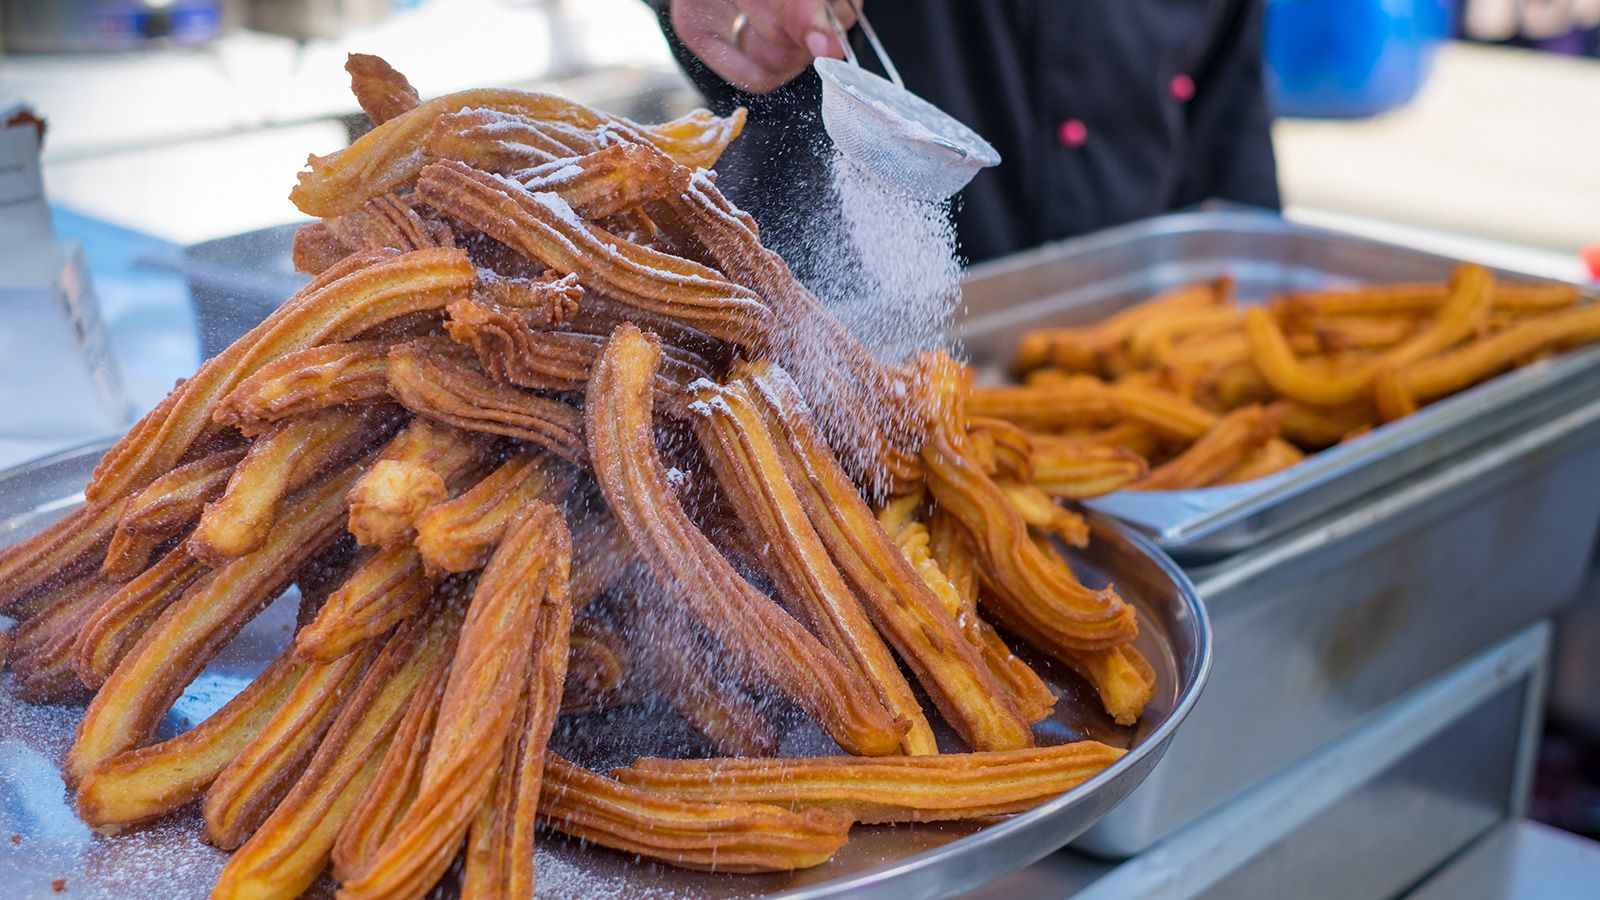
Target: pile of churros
[(550, 433), (1194, 389)]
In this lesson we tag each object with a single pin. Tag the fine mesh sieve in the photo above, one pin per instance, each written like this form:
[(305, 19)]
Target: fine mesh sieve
[(894, 135)]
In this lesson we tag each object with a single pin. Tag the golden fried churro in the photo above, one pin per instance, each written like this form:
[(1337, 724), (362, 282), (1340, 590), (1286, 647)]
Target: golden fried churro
[(161, 511), (544, 227), (758, 636), (387, 500), (390, 586), (245, 792), (720, 837), (138, 785), (394, 787), (898, 789), (1029, 587), (451, 392), (1427, 297), (512, 350), (905, 610), (75, 544), (610, 181), (539, 302), (1091, 348), (459, 535), (1462, 316), (503, 143), (291, 848), (391, 154), (600, 667), (282, 460), (1274, 457), (1075, 402), (1236, 437), (750, 471), (508, 869), (1074, 469), (382, 92), (340, 304), (521, 598), (1121, 676), (117, 624), (298, 383), (1450, 372), (1043, 513), (41, 651), (195, 628), (1007, 444)]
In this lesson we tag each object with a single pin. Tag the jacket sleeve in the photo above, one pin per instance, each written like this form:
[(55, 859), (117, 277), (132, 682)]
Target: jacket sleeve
[(1230, 127)]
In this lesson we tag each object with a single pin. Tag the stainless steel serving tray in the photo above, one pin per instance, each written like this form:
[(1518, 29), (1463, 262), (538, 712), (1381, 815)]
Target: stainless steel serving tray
[(923, 861), (1086, 279)]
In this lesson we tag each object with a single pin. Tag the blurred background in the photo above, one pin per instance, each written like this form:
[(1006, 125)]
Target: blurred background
[(175, 128)]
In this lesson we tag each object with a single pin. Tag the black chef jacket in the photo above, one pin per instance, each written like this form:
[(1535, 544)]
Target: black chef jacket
[(1103, 111)]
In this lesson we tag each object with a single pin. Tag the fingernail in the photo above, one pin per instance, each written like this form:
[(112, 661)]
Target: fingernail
[(817, 43)]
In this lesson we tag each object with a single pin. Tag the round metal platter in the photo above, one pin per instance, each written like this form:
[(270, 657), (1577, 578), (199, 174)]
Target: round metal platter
[(879, 861)]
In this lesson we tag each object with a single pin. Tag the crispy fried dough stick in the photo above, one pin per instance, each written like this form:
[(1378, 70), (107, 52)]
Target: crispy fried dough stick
[(1076, 402), (391, 154), (298, 383), (1121, 676), (114, 627), (459, 535), (1236, 437), (870, 791), (1010, 446), (1450, 372), (721, 837), (511, 349), (609, 181), (394, 786), (282, 460), (194, 629), (507, 833), (760, 637), (1152, 340), (908, 614), (538, 302), (245, 792), (419, 466), (138, 785), (1043, 513), (520, 599), (1274, 457), (1077, 470), (749, 467), (348, 299), (75, 544), (291, 848), (860, 405), (1427, 297), (1086, 349), (1460, 318), (543, 227), (387, 222), (502, 142), (1312, 426), (600, 668), (41, 648), (1029, 586), (161, 511), (382, 92), (952, 551), (388, 587), (451, 392)]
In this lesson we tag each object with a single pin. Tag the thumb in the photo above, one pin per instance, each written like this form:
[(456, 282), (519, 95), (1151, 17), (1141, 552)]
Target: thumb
[(806, 23)]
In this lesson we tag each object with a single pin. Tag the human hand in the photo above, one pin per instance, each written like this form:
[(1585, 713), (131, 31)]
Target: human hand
[(759, 45)]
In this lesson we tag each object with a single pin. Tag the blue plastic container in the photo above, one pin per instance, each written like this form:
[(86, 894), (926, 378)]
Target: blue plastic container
[(1350, 58)]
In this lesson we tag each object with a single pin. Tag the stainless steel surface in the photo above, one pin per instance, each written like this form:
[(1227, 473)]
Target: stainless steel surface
[(1366, 816), (1085, 279), (922, 861), (1519, 860), (1316, 630)]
